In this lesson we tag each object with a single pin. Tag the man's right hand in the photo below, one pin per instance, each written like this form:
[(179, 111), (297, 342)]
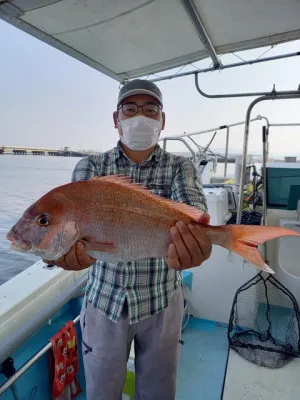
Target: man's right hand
[(75, 260)]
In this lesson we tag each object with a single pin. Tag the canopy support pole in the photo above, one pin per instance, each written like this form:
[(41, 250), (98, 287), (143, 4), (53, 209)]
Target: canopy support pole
[(202, 32)]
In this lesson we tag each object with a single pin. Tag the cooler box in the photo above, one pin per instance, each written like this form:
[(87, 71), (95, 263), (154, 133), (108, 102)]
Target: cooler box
[(283, 185)]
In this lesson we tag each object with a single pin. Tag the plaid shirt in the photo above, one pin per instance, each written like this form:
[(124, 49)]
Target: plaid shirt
[(146, 284)]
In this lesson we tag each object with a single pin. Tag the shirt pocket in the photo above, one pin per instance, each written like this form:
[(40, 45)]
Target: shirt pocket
[(160, 189)]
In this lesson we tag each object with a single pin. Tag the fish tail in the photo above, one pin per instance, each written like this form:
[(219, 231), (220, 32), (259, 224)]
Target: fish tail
[(244, 239)]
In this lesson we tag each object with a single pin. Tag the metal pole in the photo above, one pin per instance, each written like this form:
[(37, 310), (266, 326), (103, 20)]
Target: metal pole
[(193, 13), (277, 96), (200, 149), (164, 144), (265, 134), (233, 65), (27, 365), (182, 140), (230, 95), (292, 124), (226, 151)]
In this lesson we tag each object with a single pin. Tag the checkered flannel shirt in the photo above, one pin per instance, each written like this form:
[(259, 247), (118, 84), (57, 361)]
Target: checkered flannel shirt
[(147, 285)]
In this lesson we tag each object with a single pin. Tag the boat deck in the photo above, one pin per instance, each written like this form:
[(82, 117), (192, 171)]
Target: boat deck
[(207, 369), (245, 380), (210, 371), (203, 361)]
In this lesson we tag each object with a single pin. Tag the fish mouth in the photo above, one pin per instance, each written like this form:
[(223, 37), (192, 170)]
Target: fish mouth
[(21, 246), (17, 244)]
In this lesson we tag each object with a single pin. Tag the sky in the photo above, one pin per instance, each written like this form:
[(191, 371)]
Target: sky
[(49, 99)]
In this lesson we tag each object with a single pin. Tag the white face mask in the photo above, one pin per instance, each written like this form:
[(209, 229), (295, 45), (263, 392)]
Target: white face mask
[(140, 132)]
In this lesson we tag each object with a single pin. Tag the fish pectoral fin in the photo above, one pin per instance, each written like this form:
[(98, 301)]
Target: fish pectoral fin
[(105, 247)]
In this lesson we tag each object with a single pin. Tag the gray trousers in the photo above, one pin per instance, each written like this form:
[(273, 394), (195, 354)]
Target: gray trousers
[(106, 347)]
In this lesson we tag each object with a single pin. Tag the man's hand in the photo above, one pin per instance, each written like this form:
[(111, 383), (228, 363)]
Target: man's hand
[(189, 248), (75, 260)]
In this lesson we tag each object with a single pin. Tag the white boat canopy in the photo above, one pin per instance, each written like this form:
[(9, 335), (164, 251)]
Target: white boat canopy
[(133, 38)]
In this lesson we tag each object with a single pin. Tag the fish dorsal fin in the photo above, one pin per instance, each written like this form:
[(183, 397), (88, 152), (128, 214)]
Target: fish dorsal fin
[(124, 181)]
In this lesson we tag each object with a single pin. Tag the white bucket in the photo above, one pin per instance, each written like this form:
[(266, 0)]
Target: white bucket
[(217, 204)]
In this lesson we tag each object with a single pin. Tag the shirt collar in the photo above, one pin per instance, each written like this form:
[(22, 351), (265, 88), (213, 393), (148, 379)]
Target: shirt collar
[(155, 155)]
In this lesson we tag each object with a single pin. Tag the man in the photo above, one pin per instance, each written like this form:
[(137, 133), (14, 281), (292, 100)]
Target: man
[(143, 300)]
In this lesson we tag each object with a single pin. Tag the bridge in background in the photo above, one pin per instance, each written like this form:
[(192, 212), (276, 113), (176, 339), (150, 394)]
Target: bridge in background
[(21, 150)]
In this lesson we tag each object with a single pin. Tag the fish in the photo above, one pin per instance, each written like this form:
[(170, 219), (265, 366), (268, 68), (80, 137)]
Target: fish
[(121, 221)]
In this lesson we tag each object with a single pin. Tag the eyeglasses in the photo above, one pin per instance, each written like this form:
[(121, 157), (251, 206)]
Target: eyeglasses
[(149, 110)]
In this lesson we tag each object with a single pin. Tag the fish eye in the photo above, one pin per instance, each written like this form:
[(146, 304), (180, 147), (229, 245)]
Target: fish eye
[(42, 220)]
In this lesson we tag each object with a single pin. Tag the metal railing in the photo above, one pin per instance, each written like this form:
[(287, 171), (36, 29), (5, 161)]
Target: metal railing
[(71, 292), (10, 381), (203, 150), (295, 94), (225, 66), (273, 96), (263, 96), (266, 131)]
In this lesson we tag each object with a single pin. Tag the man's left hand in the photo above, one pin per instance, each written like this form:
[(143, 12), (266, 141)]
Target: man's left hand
[(190, 248)]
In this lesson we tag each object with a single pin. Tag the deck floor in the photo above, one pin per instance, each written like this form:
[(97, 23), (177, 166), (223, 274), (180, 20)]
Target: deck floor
[(204, 370), (245, 380), (203, 361)]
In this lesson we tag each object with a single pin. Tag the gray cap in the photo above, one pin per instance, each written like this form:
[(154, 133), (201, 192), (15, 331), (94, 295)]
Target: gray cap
[(139, 86)]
